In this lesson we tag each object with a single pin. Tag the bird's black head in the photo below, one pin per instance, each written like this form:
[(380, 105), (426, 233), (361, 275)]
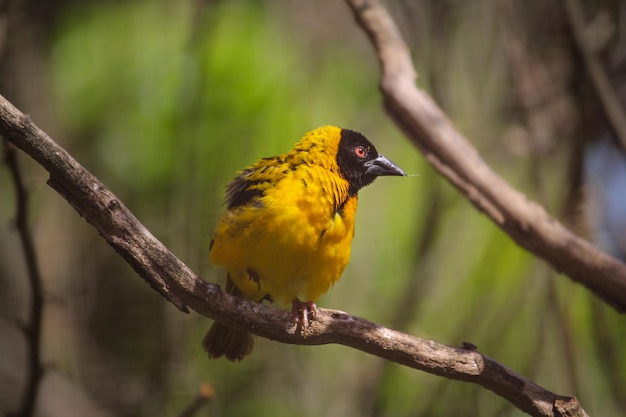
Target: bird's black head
[(360, 163)]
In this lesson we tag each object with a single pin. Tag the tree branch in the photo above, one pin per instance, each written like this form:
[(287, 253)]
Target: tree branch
[(526, 222), (32, 328), (177, 283)]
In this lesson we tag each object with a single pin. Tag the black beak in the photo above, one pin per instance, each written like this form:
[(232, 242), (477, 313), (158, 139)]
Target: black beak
[(382, 166)]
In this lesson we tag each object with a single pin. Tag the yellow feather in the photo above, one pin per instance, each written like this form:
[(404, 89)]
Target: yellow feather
[(294, 240), (287, 232)]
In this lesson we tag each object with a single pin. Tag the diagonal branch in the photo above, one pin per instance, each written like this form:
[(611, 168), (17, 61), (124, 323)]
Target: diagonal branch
[(526, 222), (176, 282)]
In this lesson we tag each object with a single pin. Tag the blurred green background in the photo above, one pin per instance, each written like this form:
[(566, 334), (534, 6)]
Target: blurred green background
[(164, 101)]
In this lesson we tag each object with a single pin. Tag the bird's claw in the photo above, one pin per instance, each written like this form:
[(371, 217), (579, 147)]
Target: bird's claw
[(303, 313)]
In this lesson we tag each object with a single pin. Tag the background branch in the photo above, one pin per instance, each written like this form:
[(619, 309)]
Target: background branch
[(454, 157), (599, 77), (176, 282), (204, 396), (32, 327)]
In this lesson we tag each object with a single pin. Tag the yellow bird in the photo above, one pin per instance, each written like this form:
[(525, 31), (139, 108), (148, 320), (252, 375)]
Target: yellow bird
[(286, 234)]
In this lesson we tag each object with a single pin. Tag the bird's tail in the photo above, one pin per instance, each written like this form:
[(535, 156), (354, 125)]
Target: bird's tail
[(222, 340)]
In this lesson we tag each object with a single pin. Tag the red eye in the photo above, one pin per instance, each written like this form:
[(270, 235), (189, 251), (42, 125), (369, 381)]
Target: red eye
[(360, 152)]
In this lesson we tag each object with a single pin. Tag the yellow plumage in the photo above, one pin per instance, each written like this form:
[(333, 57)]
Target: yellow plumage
[(287, 232)]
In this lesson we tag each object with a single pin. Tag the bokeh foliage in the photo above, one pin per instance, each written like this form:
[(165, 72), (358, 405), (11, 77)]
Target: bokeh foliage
[(164, 101)]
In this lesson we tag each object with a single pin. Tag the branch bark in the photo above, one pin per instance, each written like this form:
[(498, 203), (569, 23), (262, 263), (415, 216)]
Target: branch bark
[(177, 283), (451, 154)]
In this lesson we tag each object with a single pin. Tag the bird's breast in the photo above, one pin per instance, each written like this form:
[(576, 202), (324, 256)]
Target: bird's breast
[(297, 240)]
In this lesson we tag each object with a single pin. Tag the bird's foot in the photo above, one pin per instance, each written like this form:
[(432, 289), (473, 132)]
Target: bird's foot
[(303, 313)]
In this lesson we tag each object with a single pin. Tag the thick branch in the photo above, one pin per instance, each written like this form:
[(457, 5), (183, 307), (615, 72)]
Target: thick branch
[(172, 278), (454, 157)]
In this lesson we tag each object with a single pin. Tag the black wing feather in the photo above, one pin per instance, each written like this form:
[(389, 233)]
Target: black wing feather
[(239, 193), (250, 184)]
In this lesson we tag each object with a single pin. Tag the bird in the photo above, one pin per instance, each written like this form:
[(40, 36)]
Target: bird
[(287, 230)]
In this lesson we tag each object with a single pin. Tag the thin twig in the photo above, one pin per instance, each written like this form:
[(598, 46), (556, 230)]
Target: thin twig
[(599, 78), (175, 281), (204, 396), (32, 327)]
